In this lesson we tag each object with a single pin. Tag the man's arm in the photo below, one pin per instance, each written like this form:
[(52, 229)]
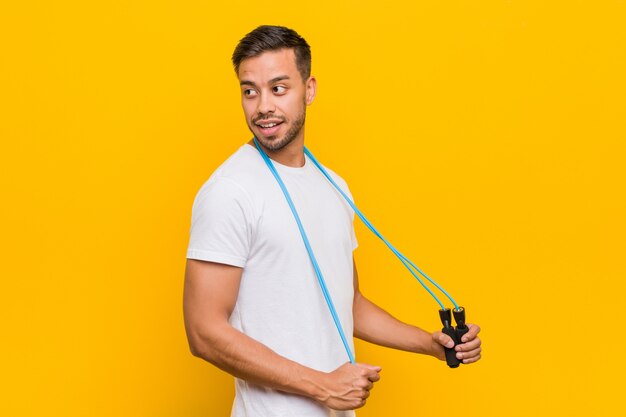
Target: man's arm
[(375, 325), (209, 298)]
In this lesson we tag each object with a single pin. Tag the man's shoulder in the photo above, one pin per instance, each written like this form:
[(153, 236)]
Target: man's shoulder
[(240, 163), (242, 167), (238, 176)]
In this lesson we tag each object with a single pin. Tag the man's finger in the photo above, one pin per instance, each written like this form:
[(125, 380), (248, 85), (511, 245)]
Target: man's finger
[(364, 384), (468, 355), (472, 333), (471, 345), (472, 360), (368, 366), (371, 371), (368, 385), (443, 339)]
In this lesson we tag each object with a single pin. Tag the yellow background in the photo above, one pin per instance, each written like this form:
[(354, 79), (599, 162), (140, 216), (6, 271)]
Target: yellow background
[(484, 138)]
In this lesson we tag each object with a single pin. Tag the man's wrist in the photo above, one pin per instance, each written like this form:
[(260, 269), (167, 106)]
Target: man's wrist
[(423, 343), (309, 382)]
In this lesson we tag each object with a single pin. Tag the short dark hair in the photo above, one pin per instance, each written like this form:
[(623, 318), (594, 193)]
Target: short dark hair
[(272, 38)]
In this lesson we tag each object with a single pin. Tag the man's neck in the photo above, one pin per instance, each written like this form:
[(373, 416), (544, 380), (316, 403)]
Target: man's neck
[(291, 155)]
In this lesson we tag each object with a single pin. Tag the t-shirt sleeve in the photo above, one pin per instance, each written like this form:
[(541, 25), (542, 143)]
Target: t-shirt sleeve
[(221, 223)]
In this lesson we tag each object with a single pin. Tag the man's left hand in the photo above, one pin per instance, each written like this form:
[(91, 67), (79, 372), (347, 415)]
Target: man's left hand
[(467, 352)]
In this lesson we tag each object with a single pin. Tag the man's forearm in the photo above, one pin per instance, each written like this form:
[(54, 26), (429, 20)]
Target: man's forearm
[(375, 325), (243, 357)]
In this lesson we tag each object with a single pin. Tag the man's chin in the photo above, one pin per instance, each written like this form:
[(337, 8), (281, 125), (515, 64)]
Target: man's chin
[(272, 143)]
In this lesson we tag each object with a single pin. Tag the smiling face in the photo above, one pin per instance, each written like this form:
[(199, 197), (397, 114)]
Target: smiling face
[(274, 98)]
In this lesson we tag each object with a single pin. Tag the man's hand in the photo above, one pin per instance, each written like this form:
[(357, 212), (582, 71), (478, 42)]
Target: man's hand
[(467, 352), (348, 386)]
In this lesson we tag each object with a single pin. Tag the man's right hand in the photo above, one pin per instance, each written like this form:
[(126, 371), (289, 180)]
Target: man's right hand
[(348, 386)]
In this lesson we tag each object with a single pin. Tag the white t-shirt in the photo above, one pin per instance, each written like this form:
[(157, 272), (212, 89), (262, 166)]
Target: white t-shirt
[(241, 217)]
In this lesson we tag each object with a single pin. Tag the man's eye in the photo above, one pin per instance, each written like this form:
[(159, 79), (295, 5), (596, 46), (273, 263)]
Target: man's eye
[(279, 89), (249, 92)]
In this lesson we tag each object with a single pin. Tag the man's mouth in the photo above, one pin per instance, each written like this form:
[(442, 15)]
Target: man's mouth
[(269, 127)]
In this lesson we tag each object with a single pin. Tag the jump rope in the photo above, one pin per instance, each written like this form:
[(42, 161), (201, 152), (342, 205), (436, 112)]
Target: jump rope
[(445, 314)]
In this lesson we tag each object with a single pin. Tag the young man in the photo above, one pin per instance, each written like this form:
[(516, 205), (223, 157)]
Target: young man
[(252, 303)]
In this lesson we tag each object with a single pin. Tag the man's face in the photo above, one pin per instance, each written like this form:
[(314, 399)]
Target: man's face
[(274, 98)]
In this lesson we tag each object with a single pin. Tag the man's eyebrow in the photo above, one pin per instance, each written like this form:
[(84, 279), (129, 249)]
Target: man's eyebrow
[(272, 81), (279, 78), (247, 82)]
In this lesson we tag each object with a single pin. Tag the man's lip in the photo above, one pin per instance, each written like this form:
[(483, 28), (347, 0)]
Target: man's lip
[(270, 131), (267, 121)]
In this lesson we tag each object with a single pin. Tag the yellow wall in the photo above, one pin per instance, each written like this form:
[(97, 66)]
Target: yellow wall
[(484, 138)]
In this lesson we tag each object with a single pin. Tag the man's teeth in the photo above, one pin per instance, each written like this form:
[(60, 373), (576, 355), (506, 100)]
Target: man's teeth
[(269, 125)]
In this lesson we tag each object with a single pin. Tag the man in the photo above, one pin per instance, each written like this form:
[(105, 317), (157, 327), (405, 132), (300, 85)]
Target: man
[(252, 304)]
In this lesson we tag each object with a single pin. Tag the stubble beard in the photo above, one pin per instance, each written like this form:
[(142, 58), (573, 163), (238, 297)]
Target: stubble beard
[(277, 144)]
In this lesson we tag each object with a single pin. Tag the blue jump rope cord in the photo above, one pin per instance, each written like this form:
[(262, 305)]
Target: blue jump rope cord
[(405, 261)]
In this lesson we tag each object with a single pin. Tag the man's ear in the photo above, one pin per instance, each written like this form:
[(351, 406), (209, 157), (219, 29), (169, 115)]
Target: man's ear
[(311, 87)]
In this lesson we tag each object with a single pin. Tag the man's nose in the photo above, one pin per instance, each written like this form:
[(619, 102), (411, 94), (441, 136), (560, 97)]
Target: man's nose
[(266, 104)]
